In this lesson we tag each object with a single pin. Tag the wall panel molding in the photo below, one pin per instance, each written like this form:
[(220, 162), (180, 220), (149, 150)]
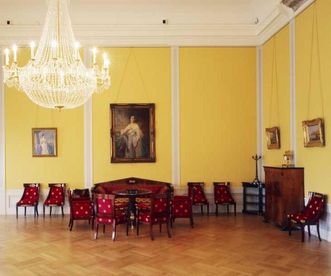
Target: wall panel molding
[(88, 133), (175, 115), (259, 109), (2, 143), (293, 129)]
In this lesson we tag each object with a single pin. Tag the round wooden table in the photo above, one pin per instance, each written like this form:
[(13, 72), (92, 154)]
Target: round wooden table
[(132, 194)]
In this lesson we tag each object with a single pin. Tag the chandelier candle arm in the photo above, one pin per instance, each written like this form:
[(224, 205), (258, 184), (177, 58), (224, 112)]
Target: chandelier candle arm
[(55, 76)]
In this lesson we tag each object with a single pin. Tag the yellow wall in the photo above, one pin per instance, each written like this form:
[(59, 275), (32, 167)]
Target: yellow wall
[(21, 115), (276, 94), (316, 161), (217, 118), (140, 77), (217, 114)]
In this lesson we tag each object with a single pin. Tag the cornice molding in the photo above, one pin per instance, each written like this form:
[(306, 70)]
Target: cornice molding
[(164, 35)]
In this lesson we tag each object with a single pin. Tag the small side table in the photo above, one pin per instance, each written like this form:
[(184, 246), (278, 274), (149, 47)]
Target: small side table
[(253, 198)]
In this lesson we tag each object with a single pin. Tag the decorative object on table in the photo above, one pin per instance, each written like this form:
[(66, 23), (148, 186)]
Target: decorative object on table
[(196, 191), (310, 215), (222, 196), (256, 180), (55, 76), (132, 133), (313, 133), (44, 142), (288, 159), (273, 138), (30, 198)]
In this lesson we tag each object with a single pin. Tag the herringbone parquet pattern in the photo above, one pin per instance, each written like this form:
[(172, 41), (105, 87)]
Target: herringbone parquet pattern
[(224, 245)]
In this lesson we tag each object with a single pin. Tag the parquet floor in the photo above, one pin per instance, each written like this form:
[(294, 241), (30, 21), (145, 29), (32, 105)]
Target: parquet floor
[(224, 245)]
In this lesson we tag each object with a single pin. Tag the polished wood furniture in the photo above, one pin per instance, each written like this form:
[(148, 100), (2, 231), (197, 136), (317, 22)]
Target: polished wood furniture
[(132, 195), (196, 191), (253, 198), (284, 188), (222, 196), (310, 215), (55, 197), (30, 198), (132, 183)]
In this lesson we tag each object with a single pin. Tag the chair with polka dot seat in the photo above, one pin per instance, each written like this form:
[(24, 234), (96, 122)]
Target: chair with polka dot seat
[(310, 215), (157, 213), (81, 206), (181, 207), (106, 213), (197, 194), (222, 196), (30, 198), (55, 197)]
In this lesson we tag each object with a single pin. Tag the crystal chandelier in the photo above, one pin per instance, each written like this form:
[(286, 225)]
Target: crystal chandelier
[(55, 76)]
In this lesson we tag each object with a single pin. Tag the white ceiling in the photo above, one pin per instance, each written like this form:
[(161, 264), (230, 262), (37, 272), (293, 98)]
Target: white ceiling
[(139, 22)]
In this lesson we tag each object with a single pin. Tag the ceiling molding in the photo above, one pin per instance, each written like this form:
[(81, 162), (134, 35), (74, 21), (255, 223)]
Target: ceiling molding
[(158, 35)]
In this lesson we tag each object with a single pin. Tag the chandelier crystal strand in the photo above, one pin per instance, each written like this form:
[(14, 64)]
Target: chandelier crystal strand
[(55, 76)]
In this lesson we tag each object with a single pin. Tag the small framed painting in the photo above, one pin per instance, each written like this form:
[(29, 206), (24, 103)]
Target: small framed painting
[(273, 138), (313, 133), (132, 133), (44, 142)]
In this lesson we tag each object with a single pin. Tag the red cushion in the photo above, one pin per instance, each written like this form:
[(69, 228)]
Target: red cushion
[(312, 210), (198, 195), (181, 207), (53, 201), (222, 195), (81, 209), (146, 217), (30, 196), (120, 218), (160, 205)]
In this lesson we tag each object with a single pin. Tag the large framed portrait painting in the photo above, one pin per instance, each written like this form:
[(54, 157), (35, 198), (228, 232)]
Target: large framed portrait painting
[(132, 133), (44, 142)]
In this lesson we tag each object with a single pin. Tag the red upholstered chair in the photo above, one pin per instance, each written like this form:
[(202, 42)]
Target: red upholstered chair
[(30, 198), (197, 194), (107, 214), (222, 196), (310, 215), (157, 213), (81, 206), (181, 207), (56, 196)]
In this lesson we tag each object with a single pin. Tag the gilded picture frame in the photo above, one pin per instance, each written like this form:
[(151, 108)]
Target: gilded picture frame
[(44, 142), (313, 133), (273, 137), (132, 133)]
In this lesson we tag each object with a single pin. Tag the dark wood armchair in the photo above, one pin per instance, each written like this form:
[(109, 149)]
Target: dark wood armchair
[(222, 196), (30, 198), (197, 194), (158, 213), (310, 215), (55, 197)]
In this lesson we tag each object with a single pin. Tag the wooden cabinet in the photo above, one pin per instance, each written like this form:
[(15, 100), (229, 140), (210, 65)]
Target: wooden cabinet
[(284, 193), (253, 198)]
